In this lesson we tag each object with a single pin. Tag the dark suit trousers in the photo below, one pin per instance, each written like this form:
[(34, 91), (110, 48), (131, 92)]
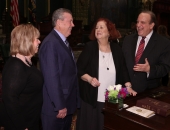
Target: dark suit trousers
[(53, 123)]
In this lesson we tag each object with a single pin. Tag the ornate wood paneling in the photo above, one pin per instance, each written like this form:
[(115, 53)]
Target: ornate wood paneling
[(162, 12), (80, 10)]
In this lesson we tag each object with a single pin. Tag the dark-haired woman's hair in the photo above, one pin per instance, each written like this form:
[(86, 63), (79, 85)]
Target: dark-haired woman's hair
[(114, 34)]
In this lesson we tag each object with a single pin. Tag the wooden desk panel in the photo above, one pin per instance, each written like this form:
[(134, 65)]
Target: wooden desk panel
[(124, 120)]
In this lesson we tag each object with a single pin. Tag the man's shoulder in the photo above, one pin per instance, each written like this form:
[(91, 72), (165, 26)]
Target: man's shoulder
[(130, 39), (49, 42), (161, 38), (135, 35), (51, 36)]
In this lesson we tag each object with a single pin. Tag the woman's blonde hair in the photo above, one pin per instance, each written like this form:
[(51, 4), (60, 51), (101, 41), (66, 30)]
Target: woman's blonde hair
[(22, 38)]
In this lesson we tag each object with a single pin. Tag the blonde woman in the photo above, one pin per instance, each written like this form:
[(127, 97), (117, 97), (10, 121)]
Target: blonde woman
[(22, 82)]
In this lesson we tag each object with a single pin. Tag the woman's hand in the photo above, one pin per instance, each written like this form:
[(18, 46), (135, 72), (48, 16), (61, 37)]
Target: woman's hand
[(94, 82), (91, 80), (131, 91)]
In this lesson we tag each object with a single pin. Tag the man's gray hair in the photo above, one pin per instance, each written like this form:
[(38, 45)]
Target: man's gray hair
[(58, 14)]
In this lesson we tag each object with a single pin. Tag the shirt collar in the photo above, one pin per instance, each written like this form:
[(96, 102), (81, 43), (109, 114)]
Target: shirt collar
[(61, 36), (148, 36)]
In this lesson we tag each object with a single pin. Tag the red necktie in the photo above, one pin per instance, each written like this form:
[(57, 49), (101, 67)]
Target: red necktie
[(140, 50)]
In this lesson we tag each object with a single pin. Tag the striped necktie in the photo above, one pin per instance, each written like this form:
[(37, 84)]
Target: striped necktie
[(140, 50), (67, 44)]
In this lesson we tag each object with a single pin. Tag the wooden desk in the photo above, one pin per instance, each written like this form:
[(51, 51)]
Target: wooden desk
[(124, 120)]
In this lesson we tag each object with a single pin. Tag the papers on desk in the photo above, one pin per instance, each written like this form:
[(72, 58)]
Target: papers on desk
[(141, 111)]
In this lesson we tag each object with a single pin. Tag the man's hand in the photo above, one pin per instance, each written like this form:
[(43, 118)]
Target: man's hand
[(62, 113), (142, 67)]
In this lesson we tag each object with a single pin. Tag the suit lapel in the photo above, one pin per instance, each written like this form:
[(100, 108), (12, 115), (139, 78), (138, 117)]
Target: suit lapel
[(63, 45), (95, 59), (114, 54), (133, 46)]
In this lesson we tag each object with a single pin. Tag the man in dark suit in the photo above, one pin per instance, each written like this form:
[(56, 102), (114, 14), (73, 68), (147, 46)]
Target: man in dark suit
[(60, 94), (146, 66)]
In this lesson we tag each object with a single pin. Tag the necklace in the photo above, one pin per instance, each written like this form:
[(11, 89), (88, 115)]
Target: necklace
[(106, 60), (29, 63)]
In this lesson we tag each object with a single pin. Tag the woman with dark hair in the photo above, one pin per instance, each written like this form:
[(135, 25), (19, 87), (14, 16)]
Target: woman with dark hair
[(100, 64)]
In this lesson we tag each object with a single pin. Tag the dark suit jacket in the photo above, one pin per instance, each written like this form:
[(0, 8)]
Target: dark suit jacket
[(60, 76), (88, 63), (157, 52)]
